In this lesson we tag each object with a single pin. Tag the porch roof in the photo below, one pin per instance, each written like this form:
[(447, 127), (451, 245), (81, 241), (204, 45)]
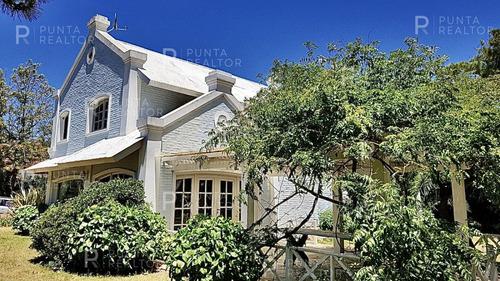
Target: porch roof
[(104, 151)]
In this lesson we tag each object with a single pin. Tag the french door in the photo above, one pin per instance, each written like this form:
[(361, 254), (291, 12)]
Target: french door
[(209, 195)]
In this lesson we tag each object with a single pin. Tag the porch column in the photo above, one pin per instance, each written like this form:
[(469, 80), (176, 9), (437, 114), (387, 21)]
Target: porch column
[(49, 189), (151, 148), (337, 247), (458, 193)]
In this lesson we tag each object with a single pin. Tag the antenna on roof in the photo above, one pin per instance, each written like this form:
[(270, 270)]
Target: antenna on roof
[(115, 25)]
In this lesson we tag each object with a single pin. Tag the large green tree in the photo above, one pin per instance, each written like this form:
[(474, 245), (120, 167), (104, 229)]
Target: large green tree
[(322, 118), (27, 108), (487, 61)]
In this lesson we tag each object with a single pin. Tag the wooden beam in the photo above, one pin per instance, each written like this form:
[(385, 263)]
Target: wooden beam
[(337, 247), (459, 200)]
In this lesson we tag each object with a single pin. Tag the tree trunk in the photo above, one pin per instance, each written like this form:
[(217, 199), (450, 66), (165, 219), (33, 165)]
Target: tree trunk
[(13, 177)]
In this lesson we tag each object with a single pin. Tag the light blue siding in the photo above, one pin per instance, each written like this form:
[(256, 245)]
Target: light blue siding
[(156, 102), (292, 212), (189, 133), (103, 77)]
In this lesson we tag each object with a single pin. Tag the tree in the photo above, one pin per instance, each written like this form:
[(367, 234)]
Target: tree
[(487, 61), (323, 117), (26, 9), (27, 108)]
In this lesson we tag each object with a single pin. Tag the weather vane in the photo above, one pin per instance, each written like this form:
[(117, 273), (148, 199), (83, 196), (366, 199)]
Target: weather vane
[(115, 25)]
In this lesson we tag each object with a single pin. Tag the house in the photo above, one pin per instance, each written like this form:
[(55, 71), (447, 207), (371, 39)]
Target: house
[(127, 112)]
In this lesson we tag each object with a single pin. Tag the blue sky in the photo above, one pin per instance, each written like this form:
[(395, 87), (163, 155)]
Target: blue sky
[(244, 37)]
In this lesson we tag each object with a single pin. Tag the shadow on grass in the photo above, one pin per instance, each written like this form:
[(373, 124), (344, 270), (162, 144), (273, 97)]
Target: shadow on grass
[(50, 264)]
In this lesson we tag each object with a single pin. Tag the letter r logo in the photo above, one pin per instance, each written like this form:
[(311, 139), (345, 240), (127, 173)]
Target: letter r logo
[(171, 51), (421, 22), (23, 35)]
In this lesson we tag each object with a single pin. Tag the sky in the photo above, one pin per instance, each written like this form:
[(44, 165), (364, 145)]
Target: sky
[(244, 37)]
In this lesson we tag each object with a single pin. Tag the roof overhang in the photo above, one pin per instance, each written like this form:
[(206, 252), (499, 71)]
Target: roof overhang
[(180, 112), (104, 151)]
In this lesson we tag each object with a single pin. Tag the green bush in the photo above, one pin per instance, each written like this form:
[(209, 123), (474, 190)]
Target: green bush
[(51, 232), (326, 219), (213, 249), (25, 218), (117, 239), (5, 222), (30, 196)]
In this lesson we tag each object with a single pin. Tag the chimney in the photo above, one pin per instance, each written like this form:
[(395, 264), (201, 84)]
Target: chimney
[(98, 22), (220, 81)]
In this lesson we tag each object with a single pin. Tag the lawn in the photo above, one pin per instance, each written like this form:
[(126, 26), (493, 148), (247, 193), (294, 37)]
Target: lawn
[(16, 264)]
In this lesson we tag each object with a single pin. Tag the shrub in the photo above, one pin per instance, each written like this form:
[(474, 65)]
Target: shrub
[(25, 218), (400, 240), (5, 222), (51, 233), (32, 196), (213, 249), (120, 239), (326, 219)]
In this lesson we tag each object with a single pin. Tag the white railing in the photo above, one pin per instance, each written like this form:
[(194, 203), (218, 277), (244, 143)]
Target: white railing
[(341, 261), (490, 245)]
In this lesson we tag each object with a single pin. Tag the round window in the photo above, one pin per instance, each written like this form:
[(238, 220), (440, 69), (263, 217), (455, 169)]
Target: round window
[(90, 55), (220, 119)]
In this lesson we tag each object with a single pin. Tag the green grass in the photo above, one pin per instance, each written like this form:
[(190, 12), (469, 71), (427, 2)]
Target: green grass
[(16, 263)]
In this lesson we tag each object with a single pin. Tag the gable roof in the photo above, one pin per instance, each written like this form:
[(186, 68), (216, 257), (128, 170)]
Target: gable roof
[(164, 71), (186, 109)]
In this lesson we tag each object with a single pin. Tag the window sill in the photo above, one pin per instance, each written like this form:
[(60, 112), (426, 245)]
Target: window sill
[(96, 133)]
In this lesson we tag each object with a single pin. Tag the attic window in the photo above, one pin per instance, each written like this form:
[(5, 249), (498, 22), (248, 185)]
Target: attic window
[(90, 56), (99, 115)]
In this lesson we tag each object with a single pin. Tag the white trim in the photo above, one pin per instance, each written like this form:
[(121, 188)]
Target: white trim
[(186, 109), (66, 178), (66, 111), (112, 171), (216, 177)]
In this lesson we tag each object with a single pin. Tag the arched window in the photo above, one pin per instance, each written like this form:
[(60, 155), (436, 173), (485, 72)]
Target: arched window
[(99, 114), (64, 126), (115, 173), (69, 189)]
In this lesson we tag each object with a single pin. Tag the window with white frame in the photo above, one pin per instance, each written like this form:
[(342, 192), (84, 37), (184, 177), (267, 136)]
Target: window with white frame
[(99, 115), (226, 198), (64, 126), (182, 213), (209, 195), (205, 197)]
